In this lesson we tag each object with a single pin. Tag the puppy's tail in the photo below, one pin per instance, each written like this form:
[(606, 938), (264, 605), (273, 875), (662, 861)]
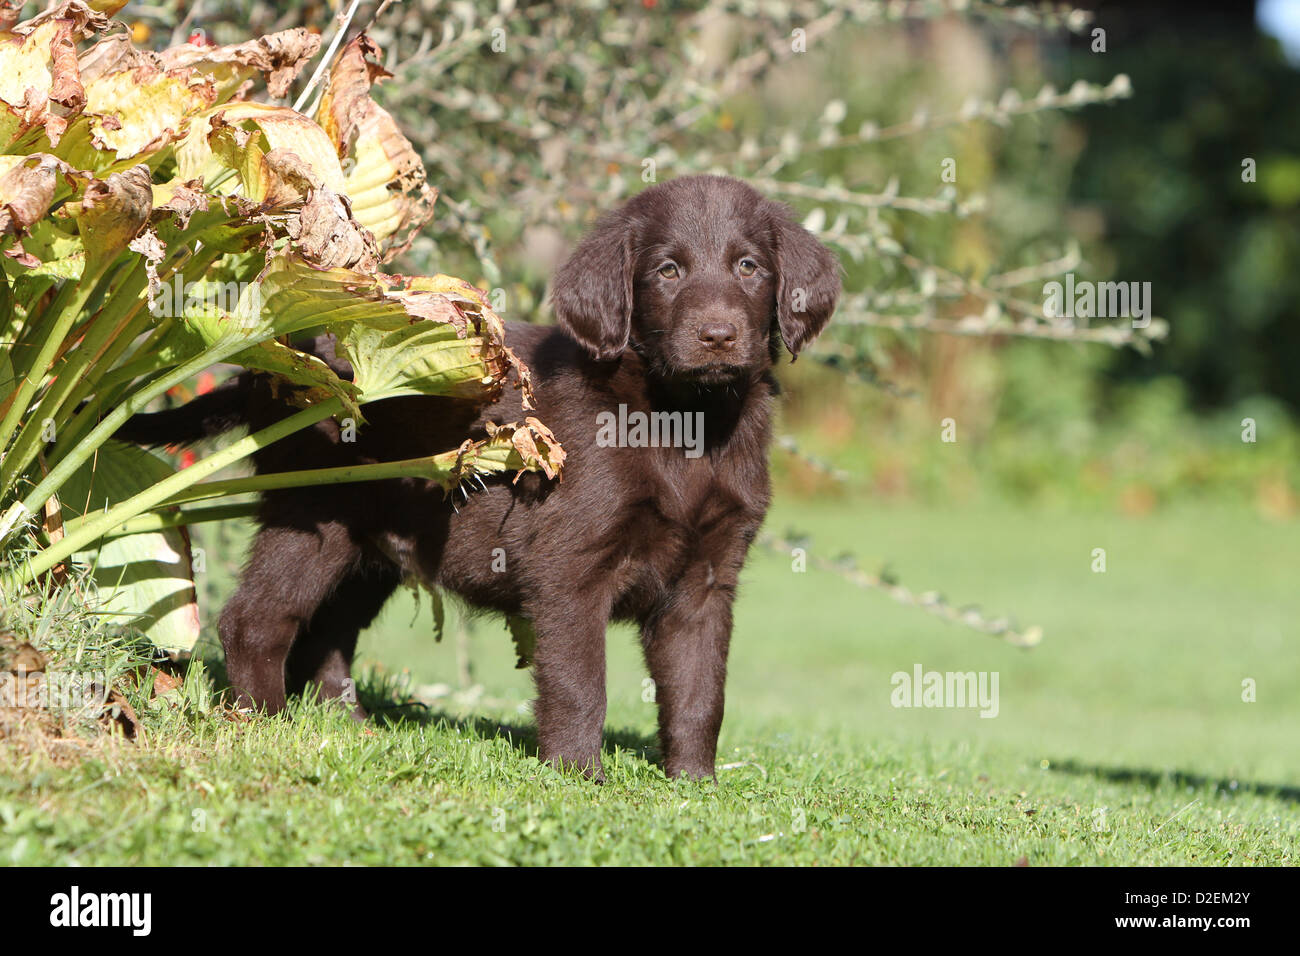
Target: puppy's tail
[(220, 410)]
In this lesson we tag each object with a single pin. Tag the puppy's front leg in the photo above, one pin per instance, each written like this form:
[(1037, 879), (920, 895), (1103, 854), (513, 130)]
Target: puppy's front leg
[(686, 650), (686, 646), (569, 668)]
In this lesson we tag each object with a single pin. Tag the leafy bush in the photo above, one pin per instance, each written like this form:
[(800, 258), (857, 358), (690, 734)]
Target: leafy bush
[(156, 221)]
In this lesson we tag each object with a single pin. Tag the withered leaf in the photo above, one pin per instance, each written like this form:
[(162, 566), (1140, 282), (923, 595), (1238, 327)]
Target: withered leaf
[(164, 683), (113, 211), (180, 200), (27, 188), (385, 178), (22, 657), (326, 234), (279, 56), (119, 711)]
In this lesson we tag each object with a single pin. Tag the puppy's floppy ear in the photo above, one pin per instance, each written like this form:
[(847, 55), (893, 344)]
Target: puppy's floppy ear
[(807, 286), (592, 292)]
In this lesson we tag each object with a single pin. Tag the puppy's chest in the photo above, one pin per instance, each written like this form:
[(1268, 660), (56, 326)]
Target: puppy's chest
[(691, 513)]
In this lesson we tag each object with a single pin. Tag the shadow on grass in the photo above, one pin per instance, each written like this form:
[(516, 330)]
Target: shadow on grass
[(1154, 779), (521, 736), (388, 706)]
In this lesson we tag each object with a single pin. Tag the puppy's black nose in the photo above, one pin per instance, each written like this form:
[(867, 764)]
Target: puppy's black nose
[(718, 335)]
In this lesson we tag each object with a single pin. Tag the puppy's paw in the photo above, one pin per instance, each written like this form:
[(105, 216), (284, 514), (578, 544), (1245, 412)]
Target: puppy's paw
[(685, 768)]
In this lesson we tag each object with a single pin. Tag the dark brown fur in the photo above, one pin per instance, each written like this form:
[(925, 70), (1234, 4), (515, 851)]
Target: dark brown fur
[(641, 534)]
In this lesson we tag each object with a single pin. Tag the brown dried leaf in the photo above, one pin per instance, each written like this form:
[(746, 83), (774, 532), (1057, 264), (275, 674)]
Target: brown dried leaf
[(27, 188), (180, 200), (113, 211), (113, 54), (285, 178), (52, 523), (21, 256), (435, 307), (66, 88), (537, 445), (386, 180), (152, 248), (36, 69), (119, 710), (148, 245), (534, 443), (164, 683), (326, 235), (280, 57), (346, 102), (523, 378), (86, 18), (21, 657)]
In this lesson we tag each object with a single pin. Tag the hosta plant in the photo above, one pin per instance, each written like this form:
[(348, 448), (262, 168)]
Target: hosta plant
[(161, 213)]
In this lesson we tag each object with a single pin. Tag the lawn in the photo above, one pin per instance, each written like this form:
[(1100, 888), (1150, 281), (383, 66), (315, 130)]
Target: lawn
[(1122, 739)]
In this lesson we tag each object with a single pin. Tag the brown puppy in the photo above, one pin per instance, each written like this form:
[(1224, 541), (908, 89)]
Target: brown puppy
[(676, 303)]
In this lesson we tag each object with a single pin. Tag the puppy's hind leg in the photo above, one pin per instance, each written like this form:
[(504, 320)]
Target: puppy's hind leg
[(291, 572), (322, 654)]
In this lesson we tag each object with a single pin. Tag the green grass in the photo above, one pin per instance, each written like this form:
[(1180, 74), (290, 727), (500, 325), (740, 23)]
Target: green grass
[(1122, 739)]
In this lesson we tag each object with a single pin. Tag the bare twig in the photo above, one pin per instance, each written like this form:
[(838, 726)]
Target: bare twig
[(929, 601), (788, 443), (996, 324), (344, 20)]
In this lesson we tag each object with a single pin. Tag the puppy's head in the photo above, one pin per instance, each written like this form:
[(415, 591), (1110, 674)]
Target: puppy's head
[(699, 275)]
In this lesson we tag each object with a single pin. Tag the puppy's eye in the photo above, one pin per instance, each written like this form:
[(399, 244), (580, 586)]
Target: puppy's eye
[(748, 267), (669, 270)]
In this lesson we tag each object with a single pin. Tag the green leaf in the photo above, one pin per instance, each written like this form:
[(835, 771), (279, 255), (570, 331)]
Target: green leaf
[(318, 380), (400, 342), (144, 579), (427, 358)]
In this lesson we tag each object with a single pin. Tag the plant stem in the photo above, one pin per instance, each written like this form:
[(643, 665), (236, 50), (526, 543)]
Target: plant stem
[(68, 373), (432, 468), (344, 21), (145, 523), (98, 378), (78, 455), (66, 308), (92, 530)]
